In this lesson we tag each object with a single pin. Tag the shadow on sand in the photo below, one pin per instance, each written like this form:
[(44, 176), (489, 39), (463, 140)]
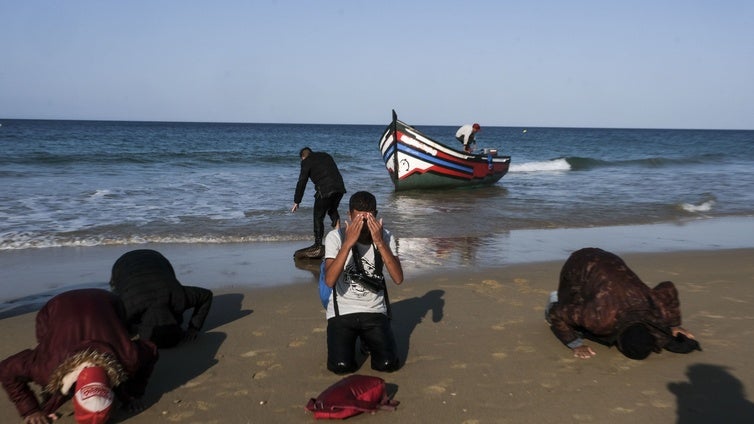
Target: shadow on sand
[(712, 395), (409, 313), (187, 361)]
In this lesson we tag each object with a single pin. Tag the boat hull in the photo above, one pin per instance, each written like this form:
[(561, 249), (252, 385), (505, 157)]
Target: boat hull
[(415, 161)]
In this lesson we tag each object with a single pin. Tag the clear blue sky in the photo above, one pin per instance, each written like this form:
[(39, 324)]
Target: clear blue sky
[(633, 64)]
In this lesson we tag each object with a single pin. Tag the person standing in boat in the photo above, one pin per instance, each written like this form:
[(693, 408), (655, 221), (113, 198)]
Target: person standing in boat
[(329, 189), (466, 134)]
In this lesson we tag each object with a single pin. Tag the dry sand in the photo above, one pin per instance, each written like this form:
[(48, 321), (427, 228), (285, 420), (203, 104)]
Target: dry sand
[(476, 349)]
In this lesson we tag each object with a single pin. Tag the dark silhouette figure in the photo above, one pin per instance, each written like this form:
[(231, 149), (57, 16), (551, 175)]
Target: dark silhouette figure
[(173, 370), (712, 395)]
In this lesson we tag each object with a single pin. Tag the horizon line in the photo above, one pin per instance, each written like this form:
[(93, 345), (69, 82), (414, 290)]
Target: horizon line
[(352, 124)]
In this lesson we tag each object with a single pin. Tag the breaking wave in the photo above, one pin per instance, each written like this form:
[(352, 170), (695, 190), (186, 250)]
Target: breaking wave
[(540, 166), (702, 207), (578, 163)]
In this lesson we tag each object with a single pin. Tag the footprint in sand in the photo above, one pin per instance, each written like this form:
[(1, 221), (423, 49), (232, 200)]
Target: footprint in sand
[(522, 284), (526, 349), (420, 358), (268, 362), (297, 343), (502, 325), (204, 406), (178, 416), (232, 391), (486, 287), (662, 404), (253, 353), (437, 389), (268, 366), (434, 390), (568, 360), (189, 410), (491, 284), (550, 382)]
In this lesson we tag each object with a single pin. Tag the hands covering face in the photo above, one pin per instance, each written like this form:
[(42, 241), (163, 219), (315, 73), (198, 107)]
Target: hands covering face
[(364, 228)]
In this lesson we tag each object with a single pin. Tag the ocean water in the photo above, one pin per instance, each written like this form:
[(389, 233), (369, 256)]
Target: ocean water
[(69, 185), (91, 183)]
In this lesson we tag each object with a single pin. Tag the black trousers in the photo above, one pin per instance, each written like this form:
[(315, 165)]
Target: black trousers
[(376, 335), (325, 206)]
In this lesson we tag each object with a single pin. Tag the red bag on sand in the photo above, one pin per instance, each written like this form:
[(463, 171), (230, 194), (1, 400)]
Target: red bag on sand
[(351, 396)]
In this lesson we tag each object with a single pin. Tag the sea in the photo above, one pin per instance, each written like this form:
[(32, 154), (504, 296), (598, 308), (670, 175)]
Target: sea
[(67, 183)]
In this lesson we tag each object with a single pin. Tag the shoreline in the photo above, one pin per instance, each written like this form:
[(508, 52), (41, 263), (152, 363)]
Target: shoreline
[(476, 350), (28, 275)]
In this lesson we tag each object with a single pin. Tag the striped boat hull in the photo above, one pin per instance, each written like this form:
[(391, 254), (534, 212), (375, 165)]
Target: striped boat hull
[(415, 161)]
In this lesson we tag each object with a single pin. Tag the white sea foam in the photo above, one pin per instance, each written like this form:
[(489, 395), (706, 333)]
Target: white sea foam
[(704, 207), (101, 193), (550, 165), (24, 241)]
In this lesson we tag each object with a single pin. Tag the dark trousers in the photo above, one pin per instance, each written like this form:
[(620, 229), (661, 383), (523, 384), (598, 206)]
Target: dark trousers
[(325, 206), (376, 335)]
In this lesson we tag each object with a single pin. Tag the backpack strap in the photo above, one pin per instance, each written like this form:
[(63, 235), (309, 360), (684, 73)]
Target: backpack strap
[(342, 234), (335, 299), (378, 266)]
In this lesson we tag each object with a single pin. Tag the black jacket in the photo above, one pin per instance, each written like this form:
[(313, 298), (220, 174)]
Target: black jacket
[(152, 296), (324, 173)]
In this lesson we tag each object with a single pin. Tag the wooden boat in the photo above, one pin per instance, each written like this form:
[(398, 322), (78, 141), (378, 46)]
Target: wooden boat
[(415, 161)]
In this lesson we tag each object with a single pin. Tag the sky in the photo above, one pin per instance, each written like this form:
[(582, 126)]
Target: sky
[(611, 64)]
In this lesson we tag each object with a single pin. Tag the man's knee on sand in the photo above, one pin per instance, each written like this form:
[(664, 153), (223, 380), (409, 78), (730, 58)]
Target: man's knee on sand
[(375, 336), (348, 366)]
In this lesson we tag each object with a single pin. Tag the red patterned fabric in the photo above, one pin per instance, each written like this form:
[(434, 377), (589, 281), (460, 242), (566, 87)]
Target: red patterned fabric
[(351, 396)]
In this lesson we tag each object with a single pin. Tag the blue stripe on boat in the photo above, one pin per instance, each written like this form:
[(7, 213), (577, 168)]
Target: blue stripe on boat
[(427, 158)]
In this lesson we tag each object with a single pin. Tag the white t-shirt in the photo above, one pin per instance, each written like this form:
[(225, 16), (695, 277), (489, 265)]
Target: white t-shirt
[(464, 135), (352, 297)]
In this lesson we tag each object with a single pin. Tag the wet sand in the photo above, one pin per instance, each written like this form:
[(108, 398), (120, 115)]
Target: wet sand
[(475, 344)]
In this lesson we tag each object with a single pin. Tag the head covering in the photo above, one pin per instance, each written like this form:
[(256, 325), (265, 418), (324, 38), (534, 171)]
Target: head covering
[(636, 342), (476, 126), (93, 400)]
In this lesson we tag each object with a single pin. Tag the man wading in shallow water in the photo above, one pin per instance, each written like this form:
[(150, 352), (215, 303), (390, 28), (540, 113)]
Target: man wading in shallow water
[(329, 190)]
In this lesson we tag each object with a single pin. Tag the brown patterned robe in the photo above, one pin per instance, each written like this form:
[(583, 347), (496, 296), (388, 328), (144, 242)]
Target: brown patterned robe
[(599, 296)]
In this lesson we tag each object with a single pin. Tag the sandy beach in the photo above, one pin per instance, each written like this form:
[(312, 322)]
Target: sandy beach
[(476, 349)]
